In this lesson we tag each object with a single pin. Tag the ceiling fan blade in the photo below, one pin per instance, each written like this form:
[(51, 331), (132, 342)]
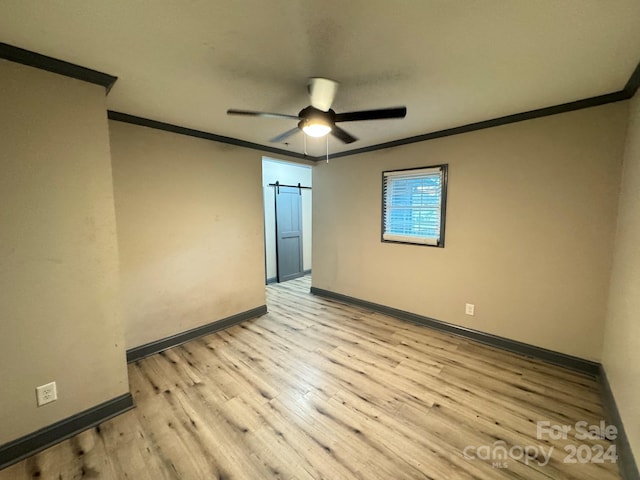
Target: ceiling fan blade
[(284, 136), (379, 114), (341, 134), (249, 113), (322, 91)]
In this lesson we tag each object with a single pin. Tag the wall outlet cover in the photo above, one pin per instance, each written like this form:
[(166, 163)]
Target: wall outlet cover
[(46, 393)]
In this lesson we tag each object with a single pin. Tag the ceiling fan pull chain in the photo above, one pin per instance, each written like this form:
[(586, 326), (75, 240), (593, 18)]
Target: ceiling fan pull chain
[(305, 143), (327, 137)]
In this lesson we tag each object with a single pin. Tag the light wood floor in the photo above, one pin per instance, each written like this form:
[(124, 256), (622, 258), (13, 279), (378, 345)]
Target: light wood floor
[(319, 389)]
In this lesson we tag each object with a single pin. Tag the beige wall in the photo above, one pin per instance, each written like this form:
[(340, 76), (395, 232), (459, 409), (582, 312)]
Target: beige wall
[(529, 230), (190, 230), (59, 317), (621, 357)]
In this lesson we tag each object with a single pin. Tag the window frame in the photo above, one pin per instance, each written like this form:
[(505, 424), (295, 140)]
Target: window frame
[(443, 205)]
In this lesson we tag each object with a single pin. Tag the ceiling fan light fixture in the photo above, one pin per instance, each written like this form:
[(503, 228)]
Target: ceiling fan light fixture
[(316, 127)]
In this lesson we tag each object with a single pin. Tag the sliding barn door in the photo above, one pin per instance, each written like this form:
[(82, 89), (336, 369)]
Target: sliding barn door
[(289, 233)]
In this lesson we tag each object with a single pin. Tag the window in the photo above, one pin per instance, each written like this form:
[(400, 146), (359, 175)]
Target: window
[(413, 205)]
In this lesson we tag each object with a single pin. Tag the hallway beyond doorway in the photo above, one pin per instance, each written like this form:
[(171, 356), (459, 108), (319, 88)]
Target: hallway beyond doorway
[(284, 247)]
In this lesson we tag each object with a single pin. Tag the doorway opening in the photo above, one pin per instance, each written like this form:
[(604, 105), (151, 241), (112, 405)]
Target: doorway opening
[(287, 219)]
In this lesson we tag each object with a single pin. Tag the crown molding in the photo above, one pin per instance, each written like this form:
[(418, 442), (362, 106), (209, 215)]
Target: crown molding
[(168, 127), (633, 83), (50, 64), (495, 122), (61, 67)]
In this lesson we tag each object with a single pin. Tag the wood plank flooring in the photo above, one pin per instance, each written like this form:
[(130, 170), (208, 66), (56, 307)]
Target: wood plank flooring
[(317, 389)]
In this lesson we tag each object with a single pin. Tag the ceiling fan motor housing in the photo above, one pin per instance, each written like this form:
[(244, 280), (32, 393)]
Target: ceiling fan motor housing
[(311, 115)]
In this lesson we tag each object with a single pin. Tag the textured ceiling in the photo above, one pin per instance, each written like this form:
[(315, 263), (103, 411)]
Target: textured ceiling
[(450, 62)]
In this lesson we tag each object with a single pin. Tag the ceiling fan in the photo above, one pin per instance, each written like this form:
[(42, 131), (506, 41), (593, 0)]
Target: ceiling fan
[(318, 119)]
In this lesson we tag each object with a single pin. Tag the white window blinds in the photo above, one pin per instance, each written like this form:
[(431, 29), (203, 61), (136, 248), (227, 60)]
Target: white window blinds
[(412, 205)]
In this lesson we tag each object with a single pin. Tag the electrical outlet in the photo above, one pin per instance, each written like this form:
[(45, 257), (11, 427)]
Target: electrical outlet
[(469, 309), (46, 393)]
